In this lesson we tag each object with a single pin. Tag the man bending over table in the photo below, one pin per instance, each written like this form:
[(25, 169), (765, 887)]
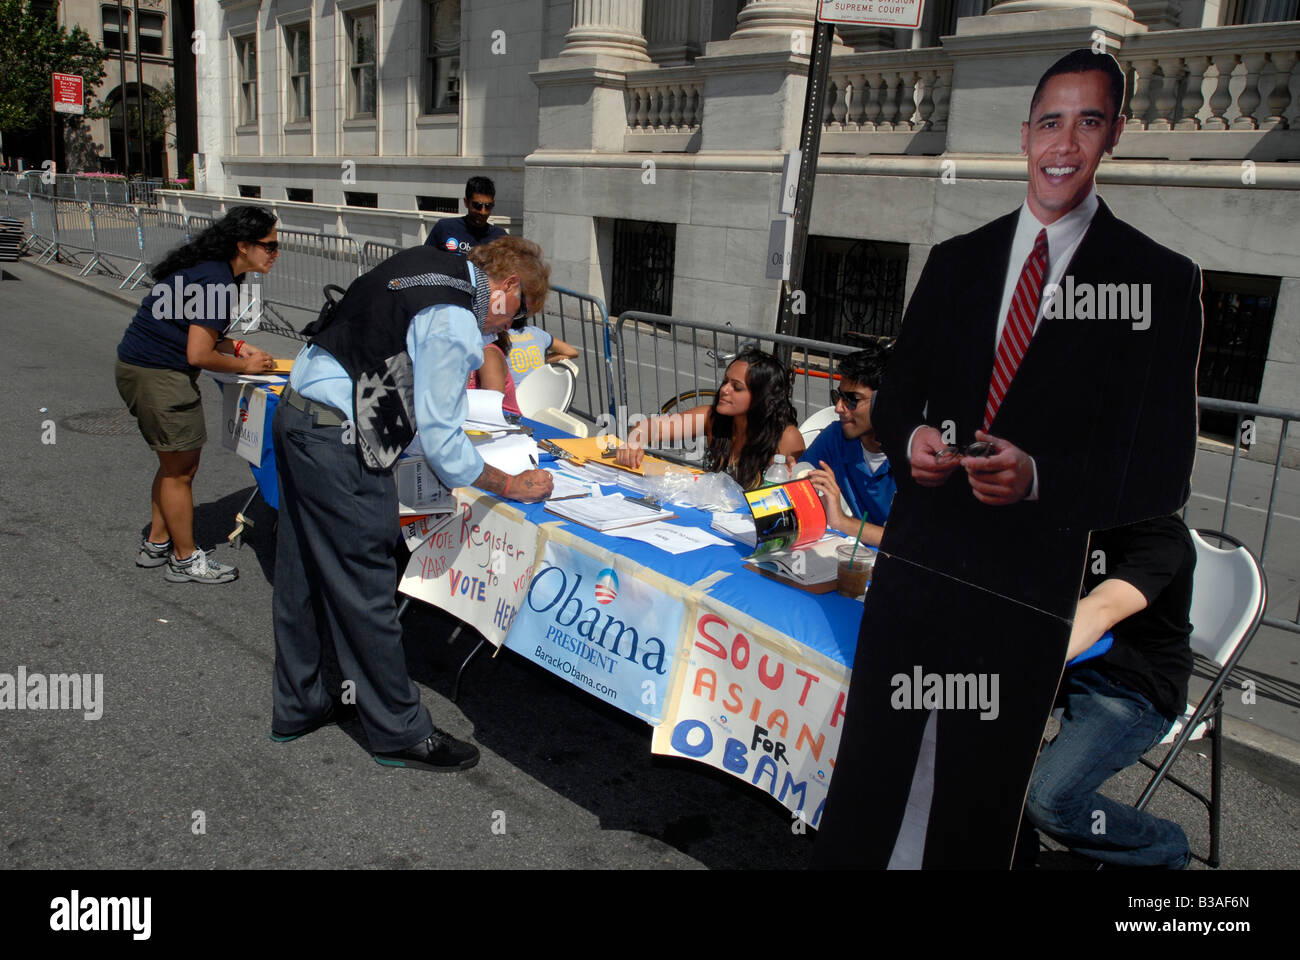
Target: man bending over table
[(393, 354), (1120, 705)]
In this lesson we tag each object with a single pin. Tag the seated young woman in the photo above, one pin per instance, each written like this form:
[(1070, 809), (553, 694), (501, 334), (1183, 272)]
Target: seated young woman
[(750, 421), (495, 373)]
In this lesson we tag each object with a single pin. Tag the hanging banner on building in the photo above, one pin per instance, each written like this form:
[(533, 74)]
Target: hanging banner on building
[(872, 13), (68, 92), (592, 620), (243, 420), (757, 705), (475, 564)]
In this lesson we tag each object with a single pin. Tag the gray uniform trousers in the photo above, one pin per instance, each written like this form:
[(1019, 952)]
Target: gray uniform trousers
[(335, 576)]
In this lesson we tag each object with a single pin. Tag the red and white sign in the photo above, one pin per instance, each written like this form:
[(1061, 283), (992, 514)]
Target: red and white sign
[(872, 13), (69, 95)]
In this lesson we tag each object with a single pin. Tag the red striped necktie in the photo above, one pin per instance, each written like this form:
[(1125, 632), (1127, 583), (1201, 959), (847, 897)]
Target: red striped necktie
[(1019, 328)]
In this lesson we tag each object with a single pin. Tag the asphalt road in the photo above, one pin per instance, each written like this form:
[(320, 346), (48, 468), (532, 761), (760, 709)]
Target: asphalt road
[(187, 674)]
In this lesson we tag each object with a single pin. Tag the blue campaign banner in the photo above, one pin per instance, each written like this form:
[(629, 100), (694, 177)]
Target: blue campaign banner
[(608, 632)]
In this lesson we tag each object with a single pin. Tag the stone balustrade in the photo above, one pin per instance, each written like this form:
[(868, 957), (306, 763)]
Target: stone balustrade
[(1218, 93), (665, 109), (893, 101)]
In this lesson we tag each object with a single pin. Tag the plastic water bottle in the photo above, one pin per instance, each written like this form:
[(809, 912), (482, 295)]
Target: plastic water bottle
[(778, 472)]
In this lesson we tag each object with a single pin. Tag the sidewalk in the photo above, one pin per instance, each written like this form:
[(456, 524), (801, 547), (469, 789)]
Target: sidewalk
[(1269, 753)]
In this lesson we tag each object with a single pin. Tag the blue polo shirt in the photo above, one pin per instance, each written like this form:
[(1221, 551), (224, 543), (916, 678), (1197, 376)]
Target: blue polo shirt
[(454, 235), (866, 492)]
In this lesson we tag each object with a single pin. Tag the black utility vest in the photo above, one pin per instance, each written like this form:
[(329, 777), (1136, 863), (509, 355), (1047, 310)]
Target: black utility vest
[(366, 333)]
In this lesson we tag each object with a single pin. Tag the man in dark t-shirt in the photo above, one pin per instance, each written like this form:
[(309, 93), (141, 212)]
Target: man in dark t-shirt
[(1138, 585), (462, 234)]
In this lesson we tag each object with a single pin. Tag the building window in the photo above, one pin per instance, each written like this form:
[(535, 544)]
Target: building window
[(249, 191), (361, 64), (109, 20), (1239, 310), (355, 199), (298, 42), (151, 33), (298, 194), (644, 259), (246, 51), (1259, 11), (441, 56), (855, 289), (438, 204)]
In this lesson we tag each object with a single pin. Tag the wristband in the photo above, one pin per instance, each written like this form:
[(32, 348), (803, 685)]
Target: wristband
[(238, 344), (506, 492)]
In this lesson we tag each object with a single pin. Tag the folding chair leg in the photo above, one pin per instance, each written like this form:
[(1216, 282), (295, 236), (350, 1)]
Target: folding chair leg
[(1216, 781)]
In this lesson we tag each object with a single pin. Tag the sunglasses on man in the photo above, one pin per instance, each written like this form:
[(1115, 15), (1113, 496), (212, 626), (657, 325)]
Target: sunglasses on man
[(479, 205), (851, 400)]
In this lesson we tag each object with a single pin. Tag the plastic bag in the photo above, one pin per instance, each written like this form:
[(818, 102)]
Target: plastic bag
[(714, 492)]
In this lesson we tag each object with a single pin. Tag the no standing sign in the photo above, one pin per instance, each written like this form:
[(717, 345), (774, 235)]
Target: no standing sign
[(69, 95), (872, 13)]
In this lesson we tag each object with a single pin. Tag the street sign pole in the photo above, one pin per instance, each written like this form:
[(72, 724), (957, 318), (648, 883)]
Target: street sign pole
[(810, 139)]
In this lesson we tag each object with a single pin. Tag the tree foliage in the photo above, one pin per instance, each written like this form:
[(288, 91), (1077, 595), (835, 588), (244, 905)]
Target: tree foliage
[(33, 46)]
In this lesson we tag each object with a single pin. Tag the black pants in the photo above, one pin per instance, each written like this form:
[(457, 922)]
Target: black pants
[(916, 618), (335, 575)]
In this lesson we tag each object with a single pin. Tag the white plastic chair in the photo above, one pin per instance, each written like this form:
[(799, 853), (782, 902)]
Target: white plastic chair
[(815, 424), (1229, 593), (560, 420), (550, 385)]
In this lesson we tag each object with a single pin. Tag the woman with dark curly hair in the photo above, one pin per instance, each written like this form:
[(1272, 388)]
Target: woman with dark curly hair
[(750, 421), (178, 331)]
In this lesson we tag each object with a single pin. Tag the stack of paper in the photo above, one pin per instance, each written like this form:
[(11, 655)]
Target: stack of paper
[(419, 490), (510, 453), (737, 526), (607, 513)]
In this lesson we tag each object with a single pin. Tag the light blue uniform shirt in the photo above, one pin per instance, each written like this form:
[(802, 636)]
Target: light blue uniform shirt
[(445, 345)]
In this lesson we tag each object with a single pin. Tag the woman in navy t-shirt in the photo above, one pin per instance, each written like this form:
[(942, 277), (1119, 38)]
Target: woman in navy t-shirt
[(178, 331)]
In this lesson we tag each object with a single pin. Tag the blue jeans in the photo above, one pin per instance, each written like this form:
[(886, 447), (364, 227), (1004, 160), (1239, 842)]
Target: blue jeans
[(1106, 728)]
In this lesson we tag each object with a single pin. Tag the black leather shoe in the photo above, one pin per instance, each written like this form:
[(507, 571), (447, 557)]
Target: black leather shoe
[(337, 713), (438, 751)]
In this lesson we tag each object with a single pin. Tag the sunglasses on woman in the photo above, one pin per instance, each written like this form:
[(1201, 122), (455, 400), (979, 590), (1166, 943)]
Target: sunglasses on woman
[(270, 246)]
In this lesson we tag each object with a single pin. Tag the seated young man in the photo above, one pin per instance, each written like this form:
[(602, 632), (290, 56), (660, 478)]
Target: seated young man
[(848, 456), (1138, 585)]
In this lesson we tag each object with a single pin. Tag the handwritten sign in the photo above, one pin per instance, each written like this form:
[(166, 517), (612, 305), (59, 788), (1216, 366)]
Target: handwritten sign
[(760, 707), (588, 618), (476, 564)]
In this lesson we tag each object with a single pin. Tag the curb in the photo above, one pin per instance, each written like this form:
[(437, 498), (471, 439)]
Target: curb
[(1267, 756)]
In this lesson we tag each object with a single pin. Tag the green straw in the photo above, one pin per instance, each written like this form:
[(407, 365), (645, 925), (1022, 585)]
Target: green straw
[(857, 540)]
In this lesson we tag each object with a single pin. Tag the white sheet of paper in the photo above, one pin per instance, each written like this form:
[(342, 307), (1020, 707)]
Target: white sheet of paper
[(566, 486), (485, 409), (670, 538), (612, 509), (511, 454)]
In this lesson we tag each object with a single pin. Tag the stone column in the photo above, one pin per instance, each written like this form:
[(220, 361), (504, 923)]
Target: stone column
[(1029, 6), (212, 114), (606, 28), (672, 31), (774, 18)]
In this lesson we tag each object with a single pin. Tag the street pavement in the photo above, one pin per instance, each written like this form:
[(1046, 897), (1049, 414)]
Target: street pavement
[(565, 782)]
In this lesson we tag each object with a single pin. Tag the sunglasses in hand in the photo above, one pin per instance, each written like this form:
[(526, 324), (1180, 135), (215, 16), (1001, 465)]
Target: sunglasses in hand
[(980, 448)]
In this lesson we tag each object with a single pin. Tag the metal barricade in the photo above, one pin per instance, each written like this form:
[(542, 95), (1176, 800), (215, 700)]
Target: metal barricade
[(307, 262), (44, 229), (163, 231), (196, 223), (581, 320), (665, 363), (119, 235), (65, 186), (373, 253), (1243, 522), (74, 232)]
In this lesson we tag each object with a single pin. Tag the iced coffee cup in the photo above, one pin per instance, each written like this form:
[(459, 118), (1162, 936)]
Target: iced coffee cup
[(854, 571)]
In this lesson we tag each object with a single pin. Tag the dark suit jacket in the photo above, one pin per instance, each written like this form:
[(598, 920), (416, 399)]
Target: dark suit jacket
[(1108, 412)]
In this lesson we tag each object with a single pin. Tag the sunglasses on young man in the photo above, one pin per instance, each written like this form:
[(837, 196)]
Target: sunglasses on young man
[(478, 205), (851, 400)]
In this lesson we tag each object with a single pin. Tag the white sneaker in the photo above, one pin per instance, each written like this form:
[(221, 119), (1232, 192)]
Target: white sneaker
[(199, 569)]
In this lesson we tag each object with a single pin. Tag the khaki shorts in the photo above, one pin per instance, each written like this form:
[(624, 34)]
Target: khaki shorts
[(167, 405)]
